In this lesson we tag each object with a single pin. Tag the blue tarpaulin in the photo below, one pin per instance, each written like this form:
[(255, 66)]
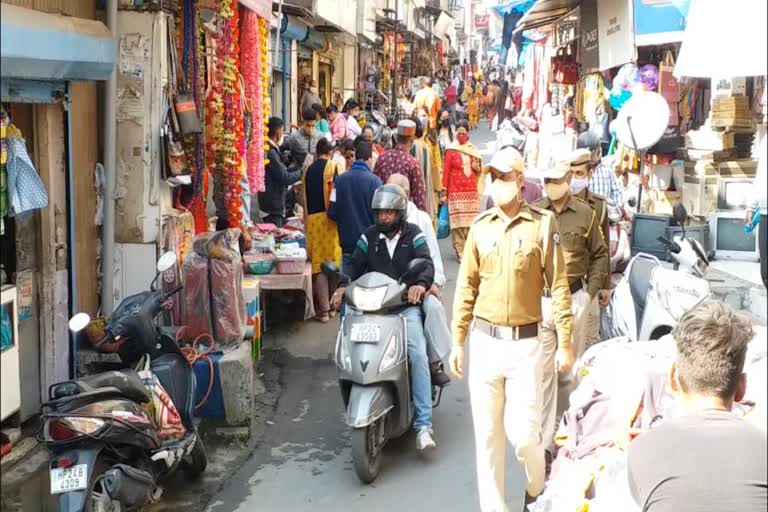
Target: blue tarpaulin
[(518, 6)]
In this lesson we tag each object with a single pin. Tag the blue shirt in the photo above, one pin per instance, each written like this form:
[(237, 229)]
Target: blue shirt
[(350, 204)]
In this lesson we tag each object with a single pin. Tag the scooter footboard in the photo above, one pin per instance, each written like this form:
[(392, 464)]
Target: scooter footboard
[(367, 404)]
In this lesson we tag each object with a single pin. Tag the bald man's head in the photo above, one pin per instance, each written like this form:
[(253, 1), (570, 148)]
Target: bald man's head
[(402, 182)]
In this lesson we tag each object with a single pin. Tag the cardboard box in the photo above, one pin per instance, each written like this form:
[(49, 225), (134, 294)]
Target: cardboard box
[(709, 154), (701, 168), (746, 168), (709, 139), (700, 194), (663, 202), (732, 123)]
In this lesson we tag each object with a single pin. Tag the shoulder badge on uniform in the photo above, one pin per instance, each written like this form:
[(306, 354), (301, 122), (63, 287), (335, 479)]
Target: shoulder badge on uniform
[(556, 238)]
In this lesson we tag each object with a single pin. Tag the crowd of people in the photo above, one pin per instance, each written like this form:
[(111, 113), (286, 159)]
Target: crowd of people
[(534, 270)]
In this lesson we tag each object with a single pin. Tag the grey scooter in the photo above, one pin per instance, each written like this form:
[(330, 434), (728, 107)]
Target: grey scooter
[(372, 357)]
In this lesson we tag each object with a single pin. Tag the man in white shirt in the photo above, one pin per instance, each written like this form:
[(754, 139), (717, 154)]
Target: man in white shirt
[(435, 321)]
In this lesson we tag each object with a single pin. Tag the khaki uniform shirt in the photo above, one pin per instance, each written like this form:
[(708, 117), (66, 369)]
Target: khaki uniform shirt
[(507, 263), (584, 250), (600, 205)]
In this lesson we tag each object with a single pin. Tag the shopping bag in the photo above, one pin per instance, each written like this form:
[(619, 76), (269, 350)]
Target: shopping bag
[(669, 88), (443, 223), (161, 408), (565, 68)]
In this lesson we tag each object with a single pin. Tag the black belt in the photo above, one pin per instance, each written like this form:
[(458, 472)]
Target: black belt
[(574, 286), (499, 332)]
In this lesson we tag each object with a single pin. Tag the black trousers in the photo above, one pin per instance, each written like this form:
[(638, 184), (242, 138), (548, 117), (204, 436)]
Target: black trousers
[(762, 233)]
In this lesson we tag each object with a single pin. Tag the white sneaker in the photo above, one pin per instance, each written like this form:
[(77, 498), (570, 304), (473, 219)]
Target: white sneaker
[(424, 441)]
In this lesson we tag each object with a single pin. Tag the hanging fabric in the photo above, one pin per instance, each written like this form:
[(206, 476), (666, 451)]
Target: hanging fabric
[(26, 189)]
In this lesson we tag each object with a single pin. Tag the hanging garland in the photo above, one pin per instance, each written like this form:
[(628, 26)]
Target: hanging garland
[(264, 113), (249, 67), (231, 140), (206, 153)]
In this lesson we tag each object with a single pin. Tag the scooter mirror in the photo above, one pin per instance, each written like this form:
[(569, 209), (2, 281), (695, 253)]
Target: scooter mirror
[(415, 267), (166, 261), (680, 214), (79, 322)]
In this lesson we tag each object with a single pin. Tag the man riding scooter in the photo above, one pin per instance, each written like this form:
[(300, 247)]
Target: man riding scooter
[(388, 247)]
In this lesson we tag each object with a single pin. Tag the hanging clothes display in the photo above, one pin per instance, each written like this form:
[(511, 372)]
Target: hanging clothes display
[(3, 169), (25, 188)]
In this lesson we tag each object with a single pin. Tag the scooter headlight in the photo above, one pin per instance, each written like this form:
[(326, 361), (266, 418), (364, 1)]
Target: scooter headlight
[(392, 354), (343, 360), (369, 299)]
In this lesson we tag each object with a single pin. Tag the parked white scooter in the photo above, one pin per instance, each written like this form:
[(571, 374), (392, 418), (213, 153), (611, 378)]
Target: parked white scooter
[(650, 298)]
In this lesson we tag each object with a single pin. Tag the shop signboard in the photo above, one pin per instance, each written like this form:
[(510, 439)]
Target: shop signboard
[(615, 34), (660, 21), (589, 48), (482, 21)]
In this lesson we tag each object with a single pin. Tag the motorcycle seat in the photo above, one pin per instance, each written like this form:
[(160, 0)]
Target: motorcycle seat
[(639, 283), (126, 381)]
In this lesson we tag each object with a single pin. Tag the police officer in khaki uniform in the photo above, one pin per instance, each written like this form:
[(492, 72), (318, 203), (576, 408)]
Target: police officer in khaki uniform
[(585, 256), (583, 161), (512, 254)]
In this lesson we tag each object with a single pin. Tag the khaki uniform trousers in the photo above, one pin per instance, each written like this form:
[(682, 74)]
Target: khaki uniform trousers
[(459, 240), (593, 324), (505, 390), (557, 389)]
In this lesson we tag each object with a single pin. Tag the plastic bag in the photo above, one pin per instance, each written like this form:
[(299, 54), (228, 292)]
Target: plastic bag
[(161, 408), (443, 223)]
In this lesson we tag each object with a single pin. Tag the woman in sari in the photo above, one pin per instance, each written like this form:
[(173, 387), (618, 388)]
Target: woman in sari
[(322, 234), (462, 186)]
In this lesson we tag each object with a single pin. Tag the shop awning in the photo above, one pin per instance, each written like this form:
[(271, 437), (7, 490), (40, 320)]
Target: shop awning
[(724, 39), (545, 12), (42, 46)]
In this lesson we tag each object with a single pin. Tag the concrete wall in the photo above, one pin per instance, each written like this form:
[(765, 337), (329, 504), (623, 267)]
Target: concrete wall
[(141, 195)]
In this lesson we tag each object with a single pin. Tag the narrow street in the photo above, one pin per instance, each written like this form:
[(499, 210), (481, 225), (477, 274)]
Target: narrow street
[(304, 462)]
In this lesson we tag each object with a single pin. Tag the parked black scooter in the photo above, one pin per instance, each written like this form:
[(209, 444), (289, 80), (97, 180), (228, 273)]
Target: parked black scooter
[(106, 454)]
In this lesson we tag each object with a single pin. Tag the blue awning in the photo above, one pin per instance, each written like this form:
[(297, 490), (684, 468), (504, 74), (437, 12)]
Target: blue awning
[(314, 40), (40, 46), (519, 6)]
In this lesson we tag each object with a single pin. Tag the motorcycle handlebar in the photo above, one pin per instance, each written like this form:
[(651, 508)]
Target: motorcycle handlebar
[(674, 247)]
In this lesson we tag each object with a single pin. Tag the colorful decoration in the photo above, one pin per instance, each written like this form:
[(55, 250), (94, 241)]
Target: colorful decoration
[(251, 60), (231, 140)]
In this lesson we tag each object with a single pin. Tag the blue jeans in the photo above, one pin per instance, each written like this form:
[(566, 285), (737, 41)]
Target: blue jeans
[(421, 382)]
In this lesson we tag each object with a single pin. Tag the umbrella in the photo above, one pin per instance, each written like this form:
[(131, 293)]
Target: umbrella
[(724, 39)]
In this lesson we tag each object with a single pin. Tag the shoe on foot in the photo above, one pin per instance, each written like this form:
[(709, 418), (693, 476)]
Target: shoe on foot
[(424, 441), (323, 319), (439, 377)]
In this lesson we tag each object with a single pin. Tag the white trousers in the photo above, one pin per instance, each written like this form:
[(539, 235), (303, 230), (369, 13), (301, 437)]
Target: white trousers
[(505, 388), (557, 390)]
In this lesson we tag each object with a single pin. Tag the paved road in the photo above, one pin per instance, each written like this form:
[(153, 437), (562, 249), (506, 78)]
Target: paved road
[(304, 462)]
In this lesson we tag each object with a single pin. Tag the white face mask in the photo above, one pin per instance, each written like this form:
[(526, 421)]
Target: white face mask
[(577, 185), (556, 191), (504, 192)]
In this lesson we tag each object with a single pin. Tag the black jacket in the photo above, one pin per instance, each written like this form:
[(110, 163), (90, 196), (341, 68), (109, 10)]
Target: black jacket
[(277, 178), (371, 255)]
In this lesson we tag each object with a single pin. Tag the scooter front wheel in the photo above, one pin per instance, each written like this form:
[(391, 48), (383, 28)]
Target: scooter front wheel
[(367, 451)]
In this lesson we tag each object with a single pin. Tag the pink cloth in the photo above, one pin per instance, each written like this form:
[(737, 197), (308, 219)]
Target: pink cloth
[(339, 128)]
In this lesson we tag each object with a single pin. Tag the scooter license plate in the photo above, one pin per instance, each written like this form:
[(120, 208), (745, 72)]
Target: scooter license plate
[(69, 479), (365, 333)]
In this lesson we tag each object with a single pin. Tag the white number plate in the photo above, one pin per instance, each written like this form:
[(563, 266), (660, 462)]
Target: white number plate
[(365, 333), (69, 479)]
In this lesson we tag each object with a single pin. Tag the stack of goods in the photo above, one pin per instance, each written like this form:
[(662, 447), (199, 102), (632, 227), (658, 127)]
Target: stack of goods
[(291, 259), (213, 294), (720, 148), (623, 391)]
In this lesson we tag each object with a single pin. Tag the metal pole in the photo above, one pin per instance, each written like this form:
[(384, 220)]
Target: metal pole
[(110, 157), (279, 26), (395, 68)]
